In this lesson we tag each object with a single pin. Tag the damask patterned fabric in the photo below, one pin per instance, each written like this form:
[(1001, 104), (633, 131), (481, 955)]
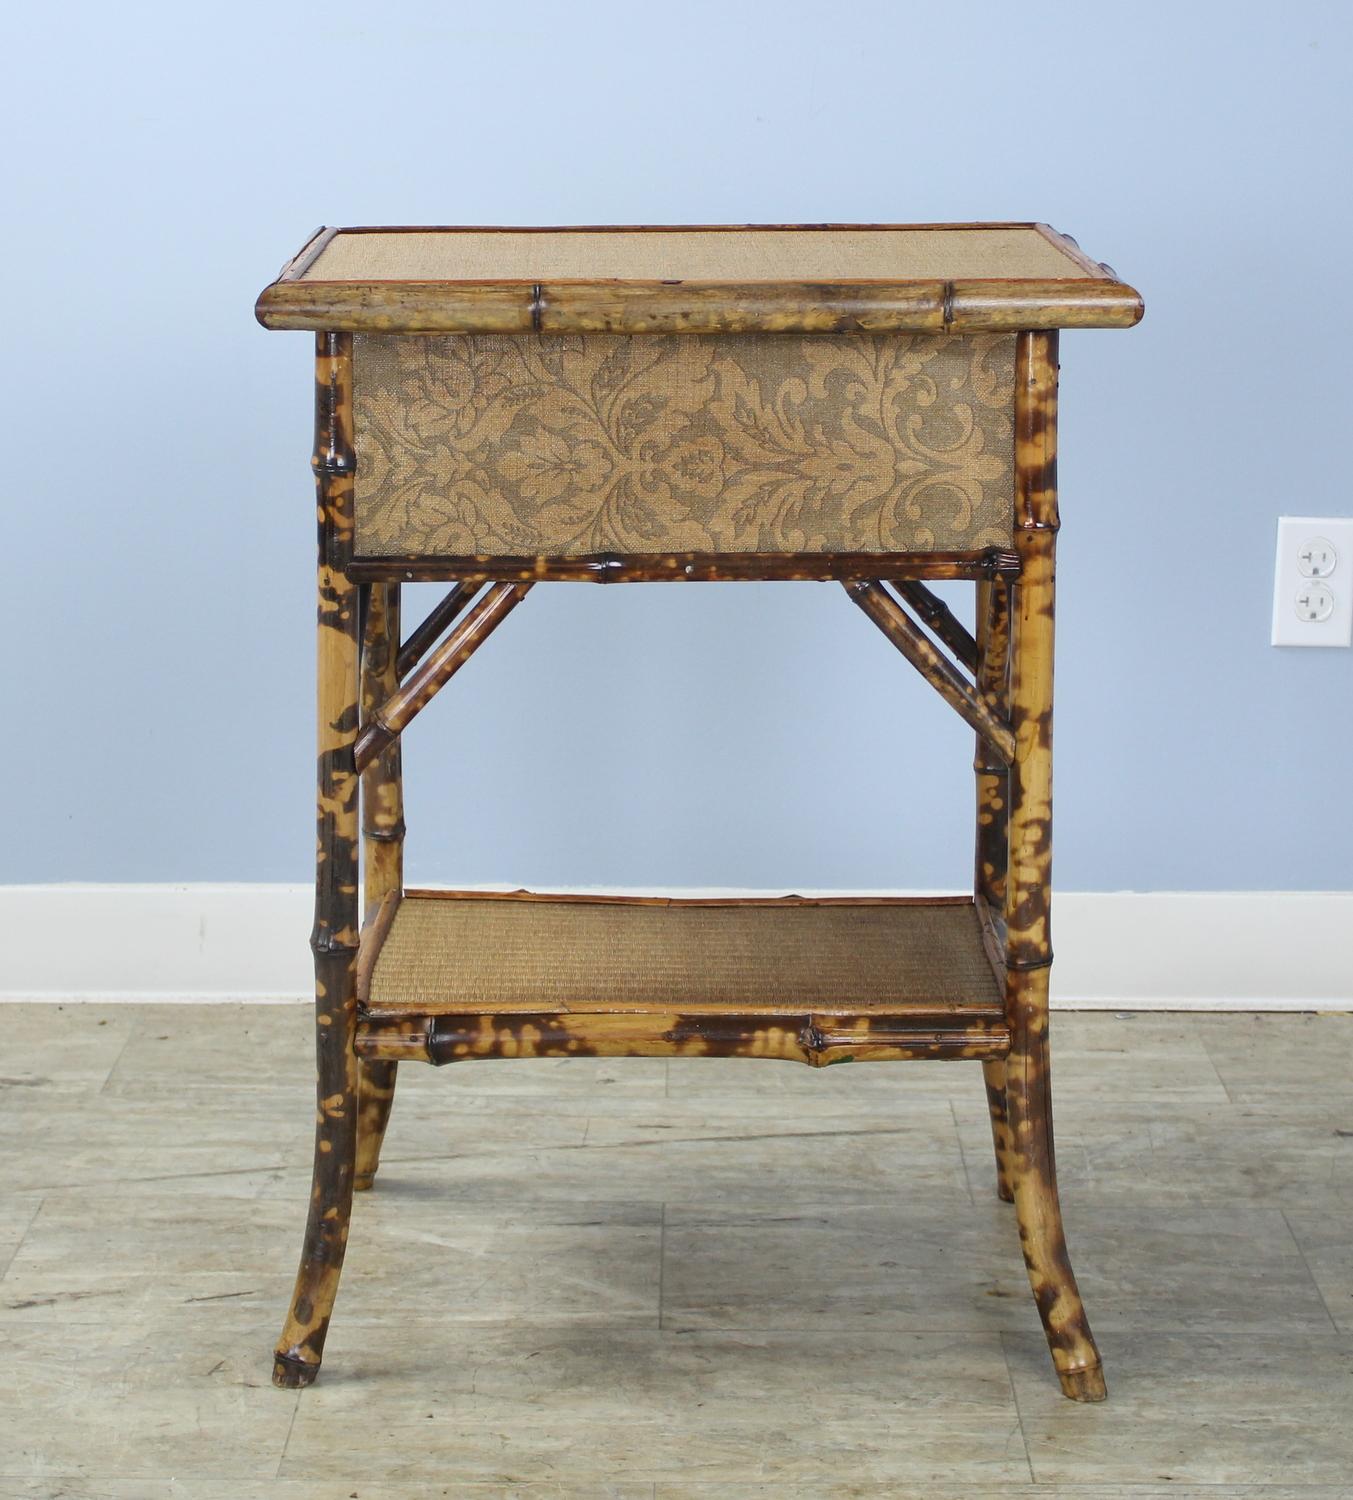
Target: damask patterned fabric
[(561, 446)]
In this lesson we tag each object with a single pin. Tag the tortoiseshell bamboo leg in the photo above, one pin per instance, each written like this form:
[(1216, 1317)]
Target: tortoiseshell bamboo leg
[(1028, 1083), (375, 1096), (991, 774), (993, 806), (993, 1075), (335, 936), (1042, 1237), (382, 850)]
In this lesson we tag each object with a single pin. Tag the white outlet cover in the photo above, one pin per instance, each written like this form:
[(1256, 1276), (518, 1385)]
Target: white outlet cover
[(1292, 583)]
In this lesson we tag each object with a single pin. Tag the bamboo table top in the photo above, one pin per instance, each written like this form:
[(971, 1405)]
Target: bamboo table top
[(696, 279)]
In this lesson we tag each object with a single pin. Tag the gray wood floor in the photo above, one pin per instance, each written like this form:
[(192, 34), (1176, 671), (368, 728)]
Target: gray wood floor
[(711, 1279)]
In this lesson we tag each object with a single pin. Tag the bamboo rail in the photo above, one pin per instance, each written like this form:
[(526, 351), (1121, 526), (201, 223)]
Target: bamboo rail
[(937, 670), (689, 567), (794, 1036), (442, 615), (399, 710), (941, 619)]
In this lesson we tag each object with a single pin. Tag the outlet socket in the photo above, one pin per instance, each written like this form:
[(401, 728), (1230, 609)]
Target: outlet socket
[(1313, 582)]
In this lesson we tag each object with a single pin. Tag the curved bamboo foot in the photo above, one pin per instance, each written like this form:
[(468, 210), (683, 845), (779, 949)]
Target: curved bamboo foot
[(301, 1347), (375, 1096), (1074, 1352), (1039, 1211), (1086, 1384), (296, 1358), (292, 1374), (993, 1075)]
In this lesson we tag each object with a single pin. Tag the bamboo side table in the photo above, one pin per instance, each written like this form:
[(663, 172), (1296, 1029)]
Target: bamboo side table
[(497, 408)]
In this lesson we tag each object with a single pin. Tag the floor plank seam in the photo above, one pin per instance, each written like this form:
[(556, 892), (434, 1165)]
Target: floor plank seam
[(291, 1427), (1329, 1311), (133, 1032), (19, 1244), (662, 1261), (962, 1154), (1019, 1410)]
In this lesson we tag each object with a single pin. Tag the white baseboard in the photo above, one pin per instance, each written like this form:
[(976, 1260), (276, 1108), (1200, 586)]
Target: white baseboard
[(1204, 950)]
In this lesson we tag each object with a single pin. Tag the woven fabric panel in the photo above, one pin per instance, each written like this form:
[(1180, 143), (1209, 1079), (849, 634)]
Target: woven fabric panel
[(560, 446), (485, 955), (694, 255)]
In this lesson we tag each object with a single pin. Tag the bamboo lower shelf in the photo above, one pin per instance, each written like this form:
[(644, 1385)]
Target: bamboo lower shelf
[(451, 975)]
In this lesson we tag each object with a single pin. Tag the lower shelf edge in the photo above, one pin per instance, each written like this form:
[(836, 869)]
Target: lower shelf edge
[(789, 1037)]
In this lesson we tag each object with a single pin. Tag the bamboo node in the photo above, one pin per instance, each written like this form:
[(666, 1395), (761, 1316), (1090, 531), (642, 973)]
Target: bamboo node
[(811, 1038), (325, 943), (1029, 965), (393, 834), (334, 463)]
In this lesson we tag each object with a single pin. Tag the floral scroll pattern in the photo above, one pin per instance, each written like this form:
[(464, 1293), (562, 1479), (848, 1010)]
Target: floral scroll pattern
[(562, 446)]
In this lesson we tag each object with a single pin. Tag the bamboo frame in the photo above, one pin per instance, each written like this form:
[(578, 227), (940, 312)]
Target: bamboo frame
[(382, 782), (365, 700), (993, 1079), (789, 1036), (445, 613), (927, 305), (692, 567), (382, 850), (376, 1080), (937, 670), (1027, 896), (334, 939), (940, 619), (399, 710), (991, 856), (992, 684)]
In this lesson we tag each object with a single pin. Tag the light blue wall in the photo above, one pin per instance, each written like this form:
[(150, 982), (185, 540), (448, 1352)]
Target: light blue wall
[(164, 160)]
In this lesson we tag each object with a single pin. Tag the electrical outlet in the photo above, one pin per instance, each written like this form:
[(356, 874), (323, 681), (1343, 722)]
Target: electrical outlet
[(1313, 582)]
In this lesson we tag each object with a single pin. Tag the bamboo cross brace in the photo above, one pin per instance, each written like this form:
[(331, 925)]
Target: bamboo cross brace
[(941, 619), (436, 669), (412, 651), (937, 670)]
